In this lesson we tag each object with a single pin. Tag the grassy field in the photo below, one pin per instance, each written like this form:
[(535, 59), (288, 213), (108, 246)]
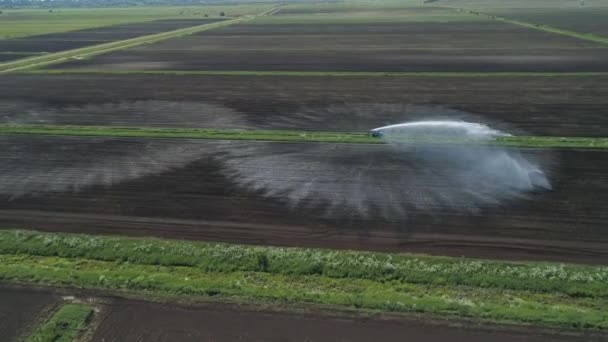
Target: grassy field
[(536, 293), (25, 22), (297, 136), (64, 325)]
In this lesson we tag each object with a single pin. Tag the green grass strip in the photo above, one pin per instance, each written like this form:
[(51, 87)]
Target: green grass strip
[(284, 275), (64, 325), (90, 51), (571, 280), (315, 73), (287, 136)]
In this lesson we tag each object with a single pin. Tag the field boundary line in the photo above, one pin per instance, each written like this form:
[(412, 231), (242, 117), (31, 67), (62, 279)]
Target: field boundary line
[(90, 51), (291, 136), (540, 27), (316, 73)]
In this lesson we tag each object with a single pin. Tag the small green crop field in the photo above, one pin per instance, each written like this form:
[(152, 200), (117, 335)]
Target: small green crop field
[(64, 325)]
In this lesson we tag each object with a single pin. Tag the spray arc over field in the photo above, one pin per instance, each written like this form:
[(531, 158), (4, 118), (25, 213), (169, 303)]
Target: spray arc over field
[(505, 168), (410, 174), (438, 129)]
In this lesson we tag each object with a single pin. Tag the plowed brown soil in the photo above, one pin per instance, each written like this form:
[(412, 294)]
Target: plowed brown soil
[(184, 189)]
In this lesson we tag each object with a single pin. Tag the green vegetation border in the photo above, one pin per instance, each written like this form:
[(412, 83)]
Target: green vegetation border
[(548, 294), (291, 136)]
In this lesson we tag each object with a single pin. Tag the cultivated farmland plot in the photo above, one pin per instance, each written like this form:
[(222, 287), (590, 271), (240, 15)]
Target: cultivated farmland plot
[(324, 46), (33, 45), (154, 322), (299, 71), (591, 20), (303, 194), (556, 106), (22, 309)]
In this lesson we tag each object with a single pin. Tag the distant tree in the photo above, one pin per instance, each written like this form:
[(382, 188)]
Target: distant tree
[(50, 11), (206, 15), (1, 12), (222, 14)]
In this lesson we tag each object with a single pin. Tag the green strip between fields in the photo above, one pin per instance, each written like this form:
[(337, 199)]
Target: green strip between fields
[(90, 51), (315, 73), (548, 294), (290, 136), (65, 324)]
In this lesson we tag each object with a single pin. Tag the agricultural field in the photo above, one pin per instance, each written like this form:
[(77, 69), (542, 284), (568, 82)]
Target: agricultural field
[(116, 318), (21, 309), (522, 4), (158, 187), (15, 23), (587, 17), (153, 322), (588, 20), (54, 42), (523, 105), (352, 170), (364, 42)]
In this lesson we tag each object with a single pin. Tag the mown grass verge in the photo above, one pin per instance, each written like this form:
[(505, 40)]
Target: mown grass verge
[(294, 136), (316, 73), (64, 325), (548, 294)]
